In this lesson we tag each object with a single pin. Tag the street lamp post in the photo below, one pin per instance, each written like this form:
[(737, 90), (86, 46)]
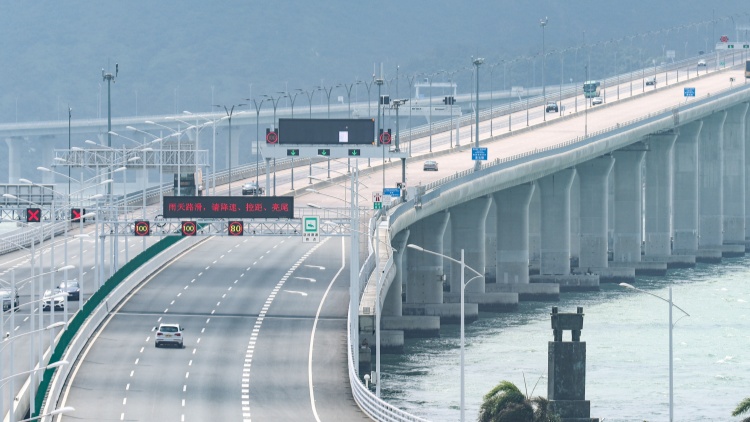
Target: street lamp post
[(477, 62), (258, 105), (229, 112), (213, 154), (543, 24), (464, 267), (671, 328), (328, 96), (110, 78), (275, 102)]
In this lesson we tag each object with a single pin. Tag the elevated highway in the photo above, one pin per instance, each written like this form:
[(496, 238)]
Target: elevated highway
[(526, 159)]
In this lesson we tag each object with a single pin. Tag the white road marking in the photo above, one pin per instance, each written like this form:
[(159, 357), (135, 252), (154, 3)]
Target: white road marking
[(245, 384), (311, 280), (296, 292)]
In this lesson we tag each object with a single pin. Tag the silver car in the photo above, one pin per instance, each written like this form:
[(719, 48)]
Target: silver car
[(430, 165)]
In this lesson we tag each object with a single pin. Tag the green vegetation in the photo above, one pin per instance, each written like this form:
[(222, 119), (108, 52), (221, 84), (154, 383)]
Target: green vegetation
[(743, 407), (506, 403)]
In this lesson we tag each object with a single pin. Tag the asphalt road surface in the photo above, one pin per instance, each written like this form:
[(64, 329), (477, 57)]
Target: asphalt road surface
[(251, 308)]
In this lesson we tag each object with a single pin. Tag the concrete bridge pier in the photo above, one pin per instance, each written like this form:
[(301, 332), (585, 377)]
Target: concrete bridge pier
[(46, 145), (710, 176), (535, 231), (747, 180), (15, 147), (628, 222), (685, 199), (555, 239), (424, 286), (659, 188), (734, 181), (512, 250), (575, 221), (594, 213), (393, 325), (490, 245), (467, 233)]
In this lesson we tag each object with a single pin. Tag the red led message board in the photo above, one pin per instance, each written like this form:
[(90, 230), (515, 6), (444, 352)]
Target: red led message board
[(234, 207)]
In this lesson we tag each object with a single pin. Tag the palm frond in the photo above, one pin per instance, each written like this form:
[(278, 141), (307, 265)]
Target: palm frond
[(743, 407)]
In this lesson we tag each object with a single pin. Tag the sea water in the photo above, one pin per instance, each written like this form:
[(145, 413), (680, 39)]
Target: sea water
[(627, 340)]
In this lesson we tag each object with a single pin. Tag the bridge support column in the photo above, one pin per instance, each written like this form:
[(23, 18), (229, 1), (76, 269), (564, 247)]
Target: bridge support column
[(555, 221), (628, 202), (685, 218), (659, 188), (535, 230), (747, 179), (710, 176), (575, 220), (424, 286), (594, 215), (629, 212), (734, 181), (555, 239), (467, 233), (512, 219), (392, 302), (512, 251), (15, 147), (46, 144), (490, 245), (468, 226)]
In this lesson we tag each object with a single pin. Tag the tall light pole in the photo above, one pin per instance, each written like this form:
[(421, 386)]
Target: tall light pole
[(671, 327), (258, 105), (110, 78), (213, 155), (70, 116), (229, 112), (477, 62), (328, 95), (348, 89), (543, 24), (275, 103), (464, 267), (586, 105)]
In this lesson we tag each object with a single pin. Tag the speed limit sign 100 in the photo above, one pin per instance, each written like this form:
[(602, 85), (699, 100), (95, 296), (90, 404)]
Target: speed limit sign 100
[(189, 228), (142, 228)]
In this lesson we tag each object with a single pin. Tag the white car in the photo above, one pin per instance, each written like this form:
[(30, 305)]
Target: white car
[(54, 298), (169, 334), (701, 63), (597, 100)]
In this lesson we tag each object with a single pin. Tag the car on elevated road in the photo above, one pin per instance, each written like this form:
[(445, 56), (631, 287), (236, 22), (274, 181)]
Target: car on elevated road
[(430, 165), (252, 188), (54, 298), (169, 334)]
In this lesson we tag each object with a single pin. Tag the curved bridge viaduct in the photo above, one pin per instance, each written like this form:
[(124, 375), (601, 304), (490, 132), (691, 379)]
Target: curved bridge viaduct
[(659, 183)]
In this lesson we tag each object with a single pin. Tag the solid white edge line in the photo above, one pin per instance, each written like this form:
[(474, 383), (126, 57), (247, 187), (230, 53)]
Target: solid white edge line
[(315, 326)]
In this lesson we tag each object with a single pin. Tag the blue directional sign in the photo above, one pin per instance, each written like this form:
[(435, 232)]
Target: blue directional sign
[(479, 154), (690, 92), (394, 192)]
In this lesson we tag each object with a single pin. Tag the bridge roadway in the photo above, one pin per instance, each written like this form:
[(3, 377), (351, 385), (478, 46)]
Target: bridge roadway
[(251, 308), (599, 118)]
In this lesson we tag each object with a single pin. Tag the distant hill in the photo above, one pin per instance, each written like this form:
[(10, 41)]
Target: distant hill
[(188, 55)]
